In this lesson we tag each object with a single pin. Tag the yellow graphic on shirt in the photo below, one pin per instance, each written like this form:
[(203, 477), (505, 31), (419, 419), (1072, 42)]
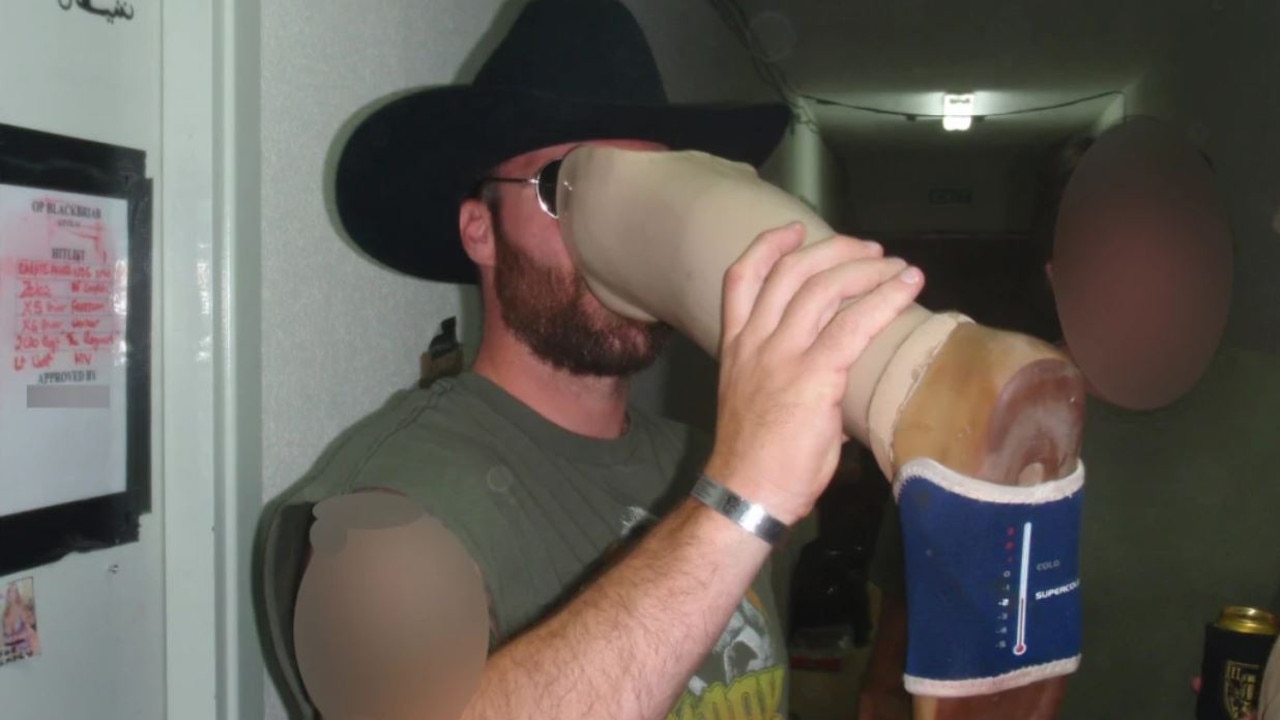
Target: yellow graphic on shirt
[(744, 673), (755, 696)]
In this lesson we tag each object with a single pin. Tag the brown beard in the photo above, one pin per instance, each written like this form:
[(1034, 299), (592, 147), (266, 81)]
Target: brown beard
[(554, 313)]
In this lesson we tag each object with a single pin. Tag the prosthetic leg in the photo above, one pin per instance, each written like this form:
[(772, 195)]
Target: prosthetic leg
[(979, 428)]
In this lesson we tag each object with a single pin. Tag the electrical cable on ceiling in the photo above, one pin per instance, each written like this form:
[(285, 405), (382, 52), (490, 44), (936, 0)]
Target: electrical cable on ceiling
[(735, 18), (1022, 111)]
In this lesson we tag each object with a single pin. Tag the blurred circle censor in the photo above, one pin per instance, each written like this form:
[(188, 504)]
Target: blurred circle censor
[(1142, 265), (392, 618)]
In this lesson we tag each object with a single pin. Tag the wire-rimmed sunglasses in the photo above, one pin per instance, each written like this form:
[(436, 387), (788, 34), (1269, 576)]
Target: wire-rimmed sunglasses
[(544, 182)]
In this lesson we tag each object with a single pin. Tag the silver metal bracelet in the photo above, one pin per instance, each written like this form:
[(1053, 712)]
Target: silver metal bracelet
[(749, 516)]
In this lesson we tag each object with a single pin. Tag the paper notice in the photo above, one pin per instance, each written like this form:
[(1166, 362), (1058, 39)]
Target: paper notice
[(63, 293)]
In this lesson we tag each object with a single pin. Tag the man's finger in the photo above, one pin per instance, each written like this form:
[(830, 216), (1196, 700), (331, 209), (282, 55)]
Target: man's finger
[(743, 279), (821, 297), (844, 339), (790, 273)]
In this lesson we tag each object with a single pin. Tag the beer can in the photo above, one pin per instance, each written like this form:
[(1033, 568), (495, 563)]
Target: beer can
[(1236, 647)]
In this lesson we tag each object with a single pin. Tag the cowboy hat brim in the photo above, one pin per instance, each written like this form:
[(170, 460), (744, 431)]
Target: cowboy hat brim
[(406, 168)]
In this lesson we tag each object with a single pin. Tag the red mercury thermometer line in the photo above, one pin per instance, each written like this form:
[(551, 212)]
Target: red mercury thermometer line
[(1021, 647)]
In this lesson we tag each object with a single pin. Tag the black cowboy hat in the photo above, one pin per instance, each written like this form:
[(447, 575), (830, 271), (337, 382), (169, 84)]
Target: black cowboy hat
[(569, 70)]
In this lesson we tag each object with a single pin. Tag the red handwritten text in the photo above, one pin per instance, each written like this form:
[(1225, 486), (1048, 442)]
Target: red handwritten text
[(90, 288), (88, 306), (44, 268), (35, 289), (99, 340)]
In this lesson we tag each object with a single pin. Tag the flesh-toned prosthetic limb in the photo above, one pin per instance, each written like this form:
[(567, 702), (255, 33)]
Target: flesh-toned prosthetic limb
[(952, 410), (654, 233)]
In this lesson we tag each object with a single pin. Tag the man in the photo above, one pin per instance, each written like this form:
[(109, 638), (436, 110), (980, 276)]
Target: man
[(533, 458), (1179, 515)]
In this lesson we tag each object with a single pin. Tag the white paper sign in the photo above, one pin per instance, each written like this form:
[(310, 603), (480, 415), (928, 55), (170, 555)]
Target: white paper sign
[(63, 293)]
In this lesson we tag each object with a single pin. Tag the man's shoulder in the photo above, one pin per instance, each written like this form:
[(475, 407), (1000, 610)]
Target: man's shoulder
[(423, 443), (421, 440)]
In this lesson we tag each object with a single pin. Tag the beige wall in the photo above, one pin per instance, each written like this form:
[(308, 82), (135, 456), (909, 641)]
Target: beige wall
[(1219, 86), (100, 612)]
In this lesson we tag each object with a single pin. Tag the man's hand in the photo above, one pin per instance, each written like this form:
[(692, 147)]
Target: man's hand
[(795, 320), (1195, 686)]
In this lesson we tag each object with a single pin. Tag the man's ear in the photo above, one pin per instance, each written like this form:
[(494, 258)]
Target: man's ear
[(475, 225), (1048, 272)]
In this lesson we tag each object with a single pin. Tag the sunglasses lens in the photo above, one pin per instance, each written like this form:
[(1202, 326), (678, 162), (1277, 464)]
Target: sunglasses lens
[(548, 181)]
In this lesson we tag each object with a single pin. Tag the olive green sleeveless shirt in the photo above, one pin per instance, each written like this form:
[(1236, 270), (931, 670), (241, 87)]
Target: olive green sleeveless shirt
[(539, 508)]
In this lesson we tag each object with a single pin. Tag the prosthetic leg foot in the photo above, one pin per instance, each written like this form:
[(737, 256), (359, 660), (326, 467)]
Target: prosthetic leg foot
[(997, 406)]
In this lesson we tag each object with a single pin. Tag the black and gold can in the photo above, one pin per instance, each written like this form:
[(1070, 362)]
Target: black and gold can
[(1236, 647)]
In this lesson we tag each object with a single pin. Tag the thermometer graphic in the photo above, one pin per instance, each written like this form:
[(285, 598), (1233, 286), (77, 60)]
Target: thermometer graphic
[(1021, 647)]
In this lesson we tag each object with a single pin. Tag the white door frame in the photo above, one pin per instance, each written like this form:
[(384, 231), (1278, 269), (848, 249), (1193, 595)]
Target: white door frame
[(209, 321)]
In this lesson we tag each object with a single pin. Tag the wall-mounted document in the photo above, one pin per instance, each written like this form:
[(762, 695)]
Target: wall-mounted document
[(75, 346), (63, 310)]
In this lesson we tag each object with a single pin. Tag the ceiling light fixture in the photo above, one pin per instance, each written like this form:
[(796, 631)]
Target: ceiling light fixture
[(957, 112)]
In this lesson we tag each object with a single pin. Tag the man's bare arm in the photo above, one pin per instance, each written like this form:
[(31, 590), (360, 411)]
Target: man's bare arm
[(626, 647), (628, 644)]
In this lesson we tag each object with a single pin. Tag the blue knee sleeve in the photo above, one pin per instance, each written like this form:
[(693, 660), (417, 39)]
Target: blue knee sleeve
[(993, 583)]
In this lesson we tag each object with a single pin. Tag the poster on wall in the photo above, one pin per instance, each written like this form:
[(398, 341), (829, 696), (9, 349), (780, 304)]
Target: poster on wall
[(74, 346), (19, 631), (63, 310)]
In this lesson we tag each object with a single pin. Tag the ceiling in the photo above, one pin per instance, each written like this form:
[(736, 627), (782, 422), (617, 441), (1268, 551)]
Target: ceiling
[(1014, 54)]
